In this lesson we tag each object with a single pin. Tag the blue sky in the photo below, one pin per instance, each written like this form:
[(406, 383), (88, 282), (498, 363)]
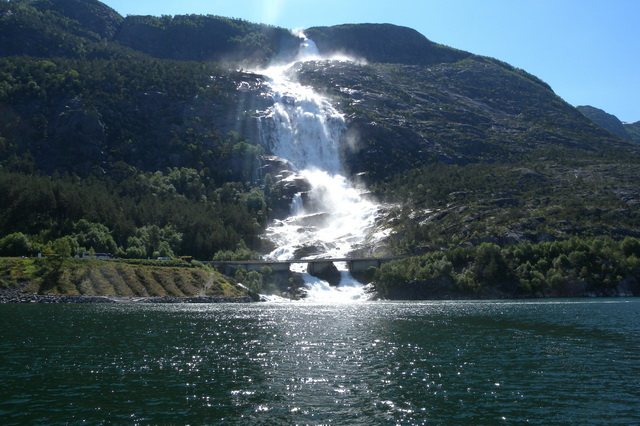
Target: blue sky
[(587, 50)]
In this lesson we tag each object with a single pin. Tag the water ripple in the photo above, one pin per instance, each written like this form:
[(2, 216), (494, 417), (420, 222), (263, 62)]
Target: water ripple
[(367, 363)]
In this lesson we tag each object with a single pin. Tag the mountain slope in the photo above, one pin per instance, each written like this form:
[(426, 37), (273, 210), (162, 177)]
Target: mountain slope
[(476, 151), (633, 130), (458, 113), (206, 38), (26, 30), (467, 149), (610, 122), (94, 15)]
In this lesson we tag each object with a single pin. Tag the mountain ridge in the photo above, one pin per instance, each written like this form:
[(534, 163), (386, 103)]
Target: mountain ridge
[(611, 123), (382, 43)]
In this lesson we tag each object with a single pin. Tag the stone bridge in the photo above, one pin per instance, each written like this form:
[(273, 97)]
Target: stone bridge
[(314, 266)]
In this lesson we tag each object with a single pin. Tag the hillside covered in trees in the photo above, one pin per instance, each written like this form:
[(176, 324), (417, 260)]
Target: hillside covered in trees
[(137, 136)]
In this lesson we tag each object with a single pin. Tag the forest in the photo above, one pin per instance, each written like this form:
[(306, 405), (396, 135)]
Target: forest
[(574, 267), (144, 215)]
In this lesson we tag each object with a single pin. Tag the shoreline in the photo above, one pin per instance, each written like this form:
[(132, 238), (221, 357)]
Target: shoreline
[(55, 298), (83, 299)]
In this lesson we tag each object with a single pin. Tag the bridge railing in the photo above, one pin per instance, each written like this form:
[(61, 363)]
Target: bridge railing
[(228, 267)]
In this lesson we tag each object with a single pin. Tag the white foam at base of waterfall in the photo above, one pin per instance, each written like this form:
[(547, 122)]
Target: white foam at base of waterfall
[(335, 217), (349, 290)]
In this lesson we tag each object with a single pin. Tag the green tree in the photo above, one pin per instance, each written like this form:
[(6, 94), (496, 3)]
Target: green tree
[(490, 264), (96, 236), (65, 246), (164, 250), (254, 281), (466, 281), (631, 246), (135, 249), (16, 244)]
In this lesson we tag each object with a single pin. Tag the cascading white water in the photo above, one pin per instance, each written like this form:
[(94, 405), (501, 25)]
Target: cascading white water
[(303, 128)]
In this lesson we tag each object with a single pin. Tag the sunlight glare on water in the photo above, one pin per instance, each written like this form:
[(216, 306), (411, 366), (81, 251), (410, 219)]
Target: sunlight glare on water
[(539, 362)]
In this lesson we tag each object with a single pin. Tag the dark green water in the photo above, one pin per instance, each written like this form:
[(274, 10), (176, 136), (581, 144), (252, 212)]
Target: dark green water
[(542, 362)]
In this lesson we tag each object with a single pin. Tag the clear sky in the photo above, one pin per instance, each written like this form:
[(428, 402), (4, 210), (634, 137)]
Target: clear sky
[(588, 51)]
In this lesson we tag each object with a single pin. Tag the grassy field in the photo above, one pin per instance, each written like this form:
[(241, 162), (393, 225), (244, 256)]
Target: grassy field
[(91, 277)]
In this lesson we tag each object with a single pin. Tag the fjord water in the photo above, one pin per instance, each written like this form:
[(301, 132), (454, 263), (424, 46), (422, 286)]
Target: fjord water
[(540, 362), (305, 129)]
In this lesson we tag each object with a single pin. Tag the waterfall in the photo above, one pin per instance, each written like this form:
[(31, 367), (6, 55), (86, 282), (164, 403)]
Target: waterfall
[(331, 218)]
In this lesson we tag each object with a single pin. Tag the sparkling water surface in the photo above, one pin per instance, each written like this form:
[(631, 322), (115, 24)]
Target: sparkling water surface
[(541, 362)]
